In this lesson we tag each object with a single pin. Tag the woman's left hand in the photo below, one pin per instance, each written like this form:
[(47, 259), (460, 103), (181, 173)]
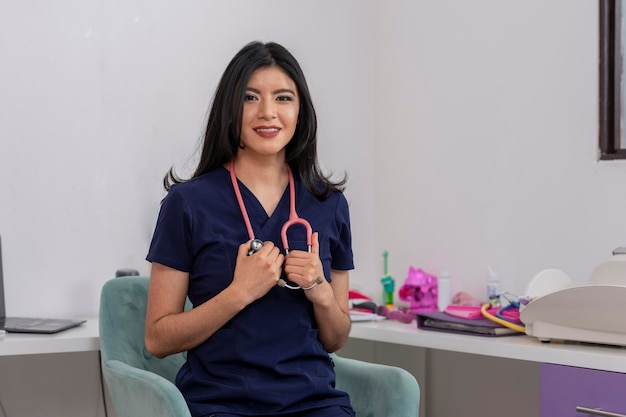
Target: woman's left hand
[(304, 268), (330, 300)]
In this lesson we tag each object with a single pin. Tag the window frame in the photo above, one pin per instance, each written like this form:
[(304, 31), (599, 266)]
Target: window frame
[(610, 81)]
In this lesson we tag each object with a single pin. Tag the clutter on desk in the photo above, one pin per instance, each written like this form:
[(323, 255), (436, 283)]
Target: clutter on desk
[(471, 316), (443, 290), (398, 315), (588, 313), (463, 298), (443, 322), (493, 283), (552, 308), (505, 314), (358, 315), (420, 289), (388, 283), (362, 308)]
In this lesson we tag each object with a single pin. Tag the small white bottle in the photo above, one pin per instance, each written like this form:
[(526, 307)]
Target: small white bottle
[(493, 284), (443, 290)]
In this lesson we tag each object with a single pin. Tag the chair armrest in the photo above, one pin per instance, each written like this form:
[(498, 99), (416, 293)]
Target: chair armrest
[(139, 393), (377, 390)]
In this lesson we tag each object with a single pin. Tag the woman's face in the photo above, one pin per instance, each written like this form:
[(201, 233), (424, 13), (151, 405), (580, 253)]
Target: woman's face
[(270, 111)]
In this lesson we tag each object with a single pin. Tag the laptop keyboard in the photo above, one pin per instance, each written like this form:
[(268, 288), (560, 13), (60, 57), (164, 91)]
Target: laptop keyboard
[(23, 322)]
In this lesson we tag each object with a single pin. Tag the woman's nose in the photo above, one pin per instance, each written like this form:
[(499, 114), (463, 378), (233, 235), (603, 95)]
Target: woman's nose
[(267, 109)]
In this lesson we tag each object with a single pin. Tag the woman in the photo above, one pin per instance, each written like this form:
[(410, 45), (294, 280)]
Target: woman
[(264, 319)]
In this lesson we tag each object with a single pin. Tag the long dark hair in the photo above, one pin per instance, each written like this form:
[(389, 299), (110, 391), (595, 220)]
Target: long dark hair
[(221, 139)]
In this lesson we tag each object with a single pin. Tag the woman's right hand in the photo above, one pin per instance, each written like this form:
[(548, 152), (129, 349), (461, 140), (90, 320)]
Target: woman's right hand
[(258, 273)]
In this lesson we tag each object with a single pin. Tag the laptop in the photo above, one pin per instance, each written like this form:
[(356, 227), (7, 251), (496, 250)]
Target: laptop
[(28, 324)]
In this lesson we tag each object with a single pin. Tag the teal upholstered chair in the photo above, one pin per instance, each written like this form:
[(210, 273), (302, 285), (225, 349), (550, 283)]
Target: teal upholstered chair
[(141, 385)]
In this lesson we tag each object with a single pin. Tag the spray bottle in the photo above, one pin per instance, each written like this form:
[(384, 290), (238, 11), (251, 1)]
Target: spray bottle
[(493, 286)]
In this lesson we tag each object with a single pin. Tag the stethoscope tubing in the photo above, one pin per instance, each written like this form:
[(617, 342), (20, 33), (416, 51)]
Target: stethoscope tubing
[(294, 219), (242, 206)]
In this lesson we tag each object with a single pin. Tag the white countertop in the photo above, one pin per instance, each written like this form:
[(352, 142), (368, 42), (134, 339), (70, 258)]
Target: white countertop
[(521, 347), (83, 338)]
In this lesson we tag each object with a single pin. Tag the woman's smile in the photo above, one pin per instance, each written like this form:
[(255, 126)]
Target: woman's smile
[(267, 131)]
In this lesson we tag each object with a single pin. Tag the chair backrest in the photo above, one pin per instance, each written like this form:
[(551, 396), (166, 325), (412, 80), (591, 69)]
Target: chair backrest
[(123, 304)]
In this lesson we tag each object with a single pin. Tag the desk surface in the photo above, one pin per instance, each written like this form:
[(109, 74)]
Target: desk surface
[(522, 347), (83, 338)]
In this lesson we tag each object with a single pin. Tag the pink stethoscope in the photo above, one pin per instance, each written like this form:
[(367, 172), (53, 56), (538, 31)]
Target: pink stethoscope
[(256, 244)]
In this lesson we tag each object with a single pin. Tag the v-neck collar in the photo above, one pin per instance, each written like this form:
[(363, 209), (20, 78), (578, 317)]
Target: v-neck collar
[(260, 220)]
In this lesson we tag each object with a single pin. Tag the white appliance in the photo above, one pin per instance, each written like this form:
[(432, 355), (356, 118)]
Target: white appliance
[(593, 313)]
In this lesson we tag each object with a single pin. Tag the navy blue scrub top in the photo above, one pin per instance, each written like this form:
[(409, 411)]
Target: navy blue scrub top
[(267, 360)]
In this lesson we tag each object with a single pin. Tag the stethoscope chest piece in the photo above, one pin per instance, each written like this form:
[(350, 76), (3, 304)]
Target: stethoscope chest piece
[(255, 246)]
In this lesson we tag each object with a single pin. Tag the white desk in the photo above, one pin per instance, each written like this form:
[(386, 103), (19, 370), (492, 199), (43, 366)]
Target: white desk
[(523, 347), (448, 366), (84, 338), (56, 375), (473, 375)]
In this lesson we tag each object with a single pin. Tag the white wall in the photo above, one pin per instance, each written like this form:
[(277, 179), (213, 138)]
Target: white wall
[(486, 141), (99, 98), (468, 130)]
